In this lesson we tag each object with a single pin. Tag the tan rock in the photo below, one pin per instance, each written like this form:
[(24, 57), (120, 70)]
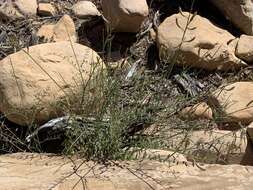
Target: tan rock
[(239, 12), (234, 102), (46, 9), (13, 9), (55, 173), (35, 83), (63, 30), (204, 44), (244, 49), (200, 110), (84, 9), (125, 15)]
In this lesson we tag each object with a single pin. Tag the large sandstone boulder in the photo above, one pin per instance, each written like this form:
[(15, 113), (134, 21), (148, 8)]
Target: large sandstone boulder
[(125, 15), (13, 9), (204, 44), (35, 83), (239, 12), (44, 172), (234, 102), (63, 30)]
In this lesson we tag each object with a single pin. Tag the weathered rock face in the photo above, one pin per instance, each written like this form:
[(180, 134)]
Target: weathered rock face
[(34, 82), (55, 173), (205, 45), (125, 15), (63, 30), (12, 9), (239, 12), (234, 102), (244, 48), (84, 9)]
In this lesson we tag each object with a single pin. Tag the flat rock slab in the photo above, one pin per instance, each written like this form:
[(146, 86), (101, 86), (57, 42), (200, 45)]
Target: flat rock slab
[(23, 171)]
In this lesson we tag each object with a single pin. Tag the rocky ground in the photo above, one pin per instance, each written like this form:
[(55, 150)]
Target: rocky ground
[(100, 81)]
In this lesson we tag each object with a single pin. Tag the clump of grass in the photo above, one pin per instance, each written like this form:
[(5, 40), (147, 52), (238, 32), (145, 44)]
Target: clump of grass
[(112, 129)]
